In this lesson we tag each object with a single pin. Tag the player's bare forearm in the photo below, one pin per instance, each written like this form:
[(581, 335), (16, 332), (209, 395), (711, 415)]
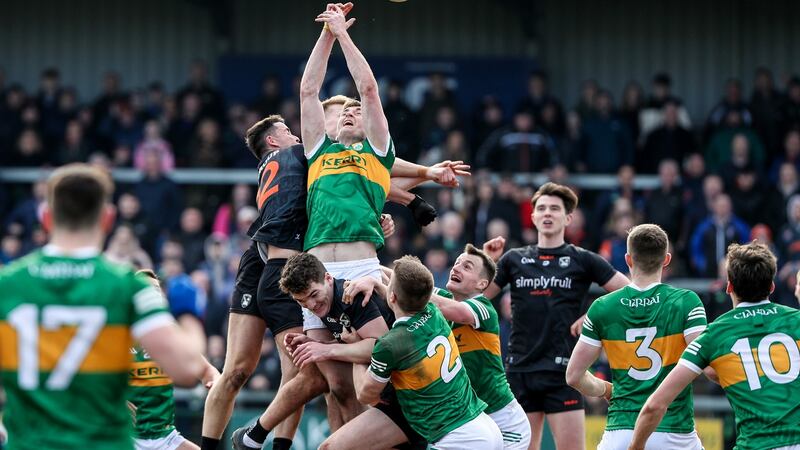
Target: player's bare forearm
[(375, 124), (649, 418), (357, 353), (403, 168), (454, 310), (398, 192), (368, 390), (591, 386), (312, 116), (316, 66)]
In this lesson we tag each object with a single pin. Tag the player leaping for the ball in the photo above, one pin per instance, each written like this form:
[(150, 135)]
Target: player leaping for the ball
[(348, 181)]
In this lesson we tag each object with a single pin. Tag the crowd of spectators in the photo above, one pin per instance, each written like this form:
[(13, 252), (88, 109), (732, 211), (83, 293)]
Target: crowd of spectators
[(730, 178)]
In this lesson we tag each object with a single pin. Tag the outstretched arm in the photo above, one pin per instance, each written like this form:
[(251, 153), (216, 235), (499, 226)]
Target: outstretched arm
[(312, 116), (376, 126)]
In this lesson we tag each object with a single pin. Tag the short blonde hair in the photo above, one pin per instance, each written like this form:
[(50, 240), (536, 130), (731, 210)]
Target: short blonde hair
[(335, 100)]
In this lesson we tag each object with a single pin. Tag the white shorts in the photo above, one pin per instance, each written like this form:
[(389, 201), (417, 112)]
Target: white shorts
[(621, 439), (479, 433), (345, 270), (168, 442), (514, 426), (789, 447)]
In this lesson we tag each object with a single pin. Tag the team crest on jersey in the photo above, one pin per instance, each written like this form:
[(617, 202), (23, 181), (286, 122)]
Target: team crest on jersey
[(246, 299), (545, 263), (358, 146), (563, 261), (344, 320)]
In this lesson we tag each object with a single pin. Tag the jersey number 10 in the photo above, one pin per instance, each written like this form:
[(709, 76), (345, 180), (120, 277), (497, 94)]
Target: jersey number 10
[(742, 348), (24, 319)]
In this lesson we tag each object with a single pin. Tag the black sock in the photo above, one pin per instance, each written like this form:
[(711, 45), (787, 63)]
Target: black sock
[(281, 444), (207, 443), (257, 432)]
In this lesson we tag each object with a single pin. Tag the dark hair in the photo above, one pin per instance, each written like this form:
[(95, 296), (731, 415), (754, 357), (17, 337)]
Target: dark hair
[(299, 272), (751, 271), (489, 269), (76, 194), (662, 78), (566, 194), (412, 283), (647, 245), (256, 134)]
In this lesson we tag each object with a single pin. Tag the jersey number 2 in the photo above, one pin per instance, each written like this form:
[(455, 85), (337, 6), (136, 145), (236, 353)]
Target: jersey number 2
[(270, 171), (644, 351), (24, 319), (446, 372)]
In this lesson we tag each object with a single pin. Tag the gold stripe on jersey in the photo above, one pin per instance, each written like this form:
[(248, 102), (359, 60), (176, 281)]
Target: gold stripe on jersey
[(109, 353), (147, 374), (426, 371), (470, 340), (730, 369), (622, 354), (350, 161)]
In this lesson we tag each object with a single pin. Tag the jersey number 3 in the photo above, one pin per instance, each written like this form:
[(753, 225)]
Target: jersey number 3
[(644, 350), (88, 320), (446, 372), (266, 190)]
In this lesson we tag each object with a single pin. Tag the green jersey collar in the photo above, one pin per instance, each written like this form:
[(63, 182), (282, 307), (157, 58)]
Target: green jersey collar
[(401, 320), (643, 289)]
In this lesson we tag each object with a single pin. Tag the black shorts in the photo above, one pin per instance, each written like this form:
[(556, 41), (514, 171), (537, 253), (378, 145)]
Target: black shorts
[(277, 308), (391, 407), (546, 392), (260, 295), (245, 290)]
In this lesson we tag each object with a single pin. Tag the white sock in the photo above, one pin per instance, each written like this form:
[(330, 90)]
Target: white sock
[(248, 441)]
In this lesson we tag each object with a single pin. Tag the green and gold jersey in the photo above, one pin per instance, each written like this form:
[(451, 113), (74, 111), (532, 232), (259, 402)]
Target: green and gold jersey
[(67, 324), (152, 394), (755, 350), (480, 350), (347, 187), (643, 333), (420, 356)]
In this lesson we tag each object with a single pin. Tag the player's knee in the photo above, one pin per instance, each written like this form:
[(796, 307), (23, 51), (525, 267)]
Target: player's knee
[(235, 379), (329, 444), (341, 389), (313, 381)]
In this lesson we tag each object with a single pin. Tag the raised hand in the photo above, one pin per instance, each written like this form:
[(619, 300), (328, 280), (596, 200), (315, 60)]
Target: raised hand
[(494, 248), (334, 18)]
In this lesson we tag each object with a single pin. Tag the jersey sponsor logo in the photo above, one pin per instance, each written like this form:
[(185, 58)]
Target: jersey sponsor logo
[(349, 160), (746, 314), (417, 324), (543, 282), (246, 299), (644, 301), (563, 262), (562, 360), (61, 270), (526, 260)]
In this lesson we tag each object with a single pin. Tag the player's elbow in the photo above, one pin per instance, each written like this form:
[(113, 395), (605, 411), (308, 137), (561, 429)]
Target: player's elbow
[(573, 378), (308, 92), (365, 397), (653, 407), (368, 89)]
